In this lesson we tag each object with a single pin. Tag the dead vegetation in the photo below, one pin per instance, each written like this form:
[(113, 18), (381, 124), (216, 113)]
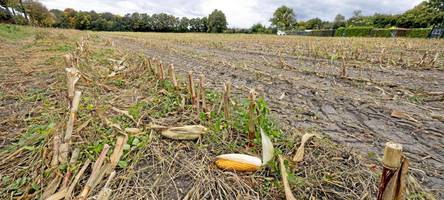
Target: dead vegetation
[(128, 118)]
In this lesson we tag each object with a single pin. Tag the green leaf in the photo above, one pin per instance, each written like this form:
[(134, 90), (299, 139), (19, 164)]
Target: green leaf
[(135, 142), (122, 164)]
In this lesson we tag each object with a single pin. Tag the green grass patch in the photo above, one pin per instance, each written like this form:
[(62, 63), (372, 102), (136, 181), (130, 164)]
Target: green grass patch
[(13, 32)]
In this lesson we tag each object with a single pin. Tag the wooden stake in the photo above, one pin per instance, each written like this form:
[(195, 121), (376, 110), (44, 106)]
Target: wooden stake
[(227, 91), (394, 174), (172, 75), (252, 118)]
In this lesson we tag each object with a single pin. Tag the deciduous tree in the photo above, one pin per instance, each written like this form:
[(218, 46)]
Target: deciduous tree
[(217, 22), (283, 18)]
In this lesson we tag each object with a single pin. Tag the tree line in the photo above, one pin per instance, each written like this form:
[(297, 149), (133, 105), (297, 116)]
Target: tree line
[(35, 13), (426, 14)]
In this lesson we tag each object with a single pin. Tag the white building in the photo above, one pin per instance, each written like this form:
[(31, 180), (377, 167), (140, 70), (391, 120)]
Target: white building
[(279, 32)]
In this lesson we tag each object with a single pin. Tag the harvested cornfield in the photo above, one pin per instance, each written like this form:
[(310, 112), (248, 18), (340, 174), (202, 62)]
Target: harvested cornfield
[(124, 137)]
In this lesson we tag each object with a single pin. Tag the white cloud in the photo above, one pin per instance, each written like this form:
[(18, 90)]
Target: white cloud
[(239, 13)]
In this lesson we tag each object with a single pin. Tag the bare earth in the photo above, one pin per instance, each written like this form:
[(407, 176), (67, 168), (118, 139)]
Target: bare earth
[(305, 90)]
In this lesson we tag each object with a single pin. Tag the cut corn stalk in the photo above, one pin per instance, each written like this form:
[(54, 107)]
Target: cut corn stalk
[(172, 75), (226, 99), (105, 193), (202, 93), (73, 75), (252, 118)]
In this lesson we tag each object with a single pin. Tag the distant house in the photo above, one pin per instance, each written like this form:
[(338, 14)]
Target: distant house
[(279, 32)]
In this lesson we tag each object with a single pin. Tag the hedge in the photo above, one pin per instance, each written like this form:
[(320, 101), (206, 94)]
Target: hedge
[(382, 32), (419, 32), (323, 33), (374, 32), (340, 32), (358, 31)]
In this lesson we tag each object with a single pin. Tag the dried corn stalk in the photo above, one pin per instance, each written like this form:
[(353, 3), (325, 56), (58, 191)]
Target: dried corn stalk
[(106, 191), (226, 100), (95, 174), (252, 118), (192, 91), (202, 93), (73, 75), (394, 174), (172, 75)]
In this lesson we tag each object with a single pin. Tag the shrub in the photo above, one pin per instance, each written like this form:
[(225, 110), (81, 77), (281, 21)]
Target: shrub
[(358, 31), (419, 32), (340, 32), (381, 32), (323, 33)]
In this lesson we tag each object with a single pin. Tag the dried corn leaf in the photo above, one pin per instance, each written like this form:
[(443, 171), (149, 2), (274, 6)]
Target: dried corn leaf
[(300, 152), (51, 187), (402, 115), (284, 174)]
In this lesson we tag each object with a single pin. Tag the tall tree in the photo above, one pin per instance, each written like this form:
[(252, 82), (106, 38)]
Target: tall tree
[(437, 4), (258, 28), (339, 21), (217, 22), (314, 23), (38, 13), (183, 25), (283, 18), (421, 16)]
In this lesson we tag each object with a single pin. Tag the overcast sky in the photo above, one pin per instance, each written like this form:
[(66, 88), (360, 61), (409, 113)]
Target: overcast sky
[(240, 13)]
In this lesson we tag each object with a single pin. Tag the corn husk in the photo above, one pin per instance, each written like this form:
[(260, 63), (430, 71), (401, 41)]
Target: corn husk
[(191, 132), (267, 148), (133, 131), (238, 162)]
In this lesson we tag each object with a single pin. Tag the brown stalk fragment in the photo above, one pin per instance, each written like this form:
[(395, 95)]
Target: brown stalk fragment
[(172, 75), (252, 118), (226, 100)]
